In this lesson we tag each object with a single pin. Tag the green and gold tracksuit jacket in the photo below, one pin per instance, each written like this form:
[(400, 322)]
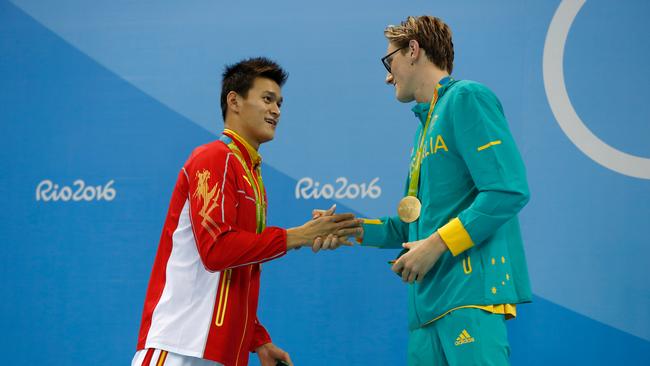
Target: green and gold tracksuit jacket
[(472, 185)]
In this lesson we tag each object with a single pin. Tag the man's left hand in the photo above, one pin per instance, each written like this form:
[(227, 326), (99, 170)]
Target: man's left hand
[(335, 240), (269, 355), (420, 258)]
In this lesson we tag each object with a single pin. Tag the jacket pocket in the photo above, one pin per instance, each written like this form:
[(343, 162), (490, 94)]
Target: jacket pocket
[(222, 301)]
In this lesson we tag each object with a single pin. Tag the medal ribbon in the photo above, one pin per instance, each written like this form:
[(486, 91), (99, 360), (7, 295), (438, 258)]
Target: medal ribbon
[(258, 189), (256, 182), (415, 172)]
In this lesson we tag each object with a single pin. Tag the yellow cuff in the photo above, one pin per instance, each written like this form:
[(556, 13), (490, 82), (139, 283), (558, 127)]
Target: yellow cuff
[(456, 237), (368, 222)]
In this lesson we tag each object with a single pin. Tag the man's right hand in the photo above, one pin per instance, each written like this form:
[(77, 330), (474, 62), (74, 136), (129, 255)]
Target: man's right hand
[(326, 226), (341, 237)]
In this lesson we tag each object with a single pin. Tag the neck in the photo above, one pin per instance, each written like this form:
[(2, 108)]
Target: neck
[(428, 79), (235, 127)]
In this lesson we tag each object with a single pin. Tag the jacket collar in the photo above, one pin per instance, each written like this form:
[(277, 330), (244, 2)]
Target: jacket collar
[(250, 155), (421, 110)]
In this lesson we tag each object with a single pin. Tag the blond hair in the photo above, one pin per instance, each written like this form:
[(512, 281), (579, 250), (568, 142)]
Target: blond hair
[(431, 33)]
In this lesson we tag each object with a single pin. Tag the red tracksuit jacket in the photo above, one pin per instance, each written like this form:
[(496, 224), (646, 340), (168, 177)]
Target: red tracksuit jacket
[(204, 287)]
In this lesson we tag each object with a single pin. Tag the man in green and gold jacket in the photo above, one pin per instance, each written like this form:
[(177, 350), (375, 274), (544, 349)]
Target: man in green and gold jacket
[(464, 256)]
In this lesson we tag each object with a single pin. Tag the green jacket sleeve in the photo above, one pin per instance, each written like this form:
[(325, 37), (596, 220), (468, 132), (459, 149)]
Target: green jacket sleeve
[(485, 144), (387, 232)]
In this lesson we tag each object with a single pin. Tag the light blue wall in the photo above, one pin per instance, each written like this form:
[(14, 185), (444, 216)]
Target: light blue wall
[(116, 94)]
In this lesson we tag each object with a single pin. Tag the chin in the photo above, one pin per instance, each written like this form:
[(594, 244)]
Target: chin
[(404, 98), (267, 137), (401, 97)]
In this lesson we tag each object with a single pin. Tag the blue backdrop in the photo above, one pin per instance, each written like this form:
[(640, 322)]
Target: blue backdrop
[(102, 102)]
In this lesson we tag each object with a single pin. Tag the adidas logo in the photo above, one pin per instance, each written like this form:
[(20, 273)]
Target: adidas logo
[(463, 338)]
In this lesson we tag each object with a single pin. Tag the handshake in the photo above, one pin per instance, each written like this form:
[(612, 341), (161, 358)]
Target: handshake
[(326, 230)]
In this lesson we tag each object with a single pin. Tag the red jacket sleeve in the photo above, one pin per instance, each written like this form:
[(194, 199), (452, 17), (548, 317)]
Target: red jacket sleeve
[(260, 337), (212, 194)]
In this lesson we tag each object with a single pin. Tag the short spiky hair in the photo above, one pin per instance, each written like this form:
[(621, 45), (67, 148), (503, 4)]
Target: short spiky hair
[(432, 34), (239, 77)]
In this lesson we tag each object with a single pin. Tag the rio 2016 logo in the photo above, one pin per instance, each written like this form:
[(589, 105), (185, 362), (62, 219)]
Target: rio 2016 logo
[(46, 191), (307, 188)]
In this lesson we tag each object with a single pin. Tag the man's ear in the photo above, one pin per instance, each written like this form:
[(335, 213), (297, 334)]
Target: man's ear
[(414, 50), (234, 102)]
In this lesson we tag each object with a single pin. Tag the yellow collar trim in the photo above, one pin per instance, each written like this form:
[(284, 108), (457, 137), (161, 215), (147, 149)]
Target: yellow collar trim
[(256, 158)]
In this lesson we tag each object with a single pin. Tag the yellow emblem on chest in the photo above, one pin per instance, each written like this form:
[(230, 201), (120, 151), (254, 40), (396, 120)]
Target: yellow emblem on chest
[(209, 198)]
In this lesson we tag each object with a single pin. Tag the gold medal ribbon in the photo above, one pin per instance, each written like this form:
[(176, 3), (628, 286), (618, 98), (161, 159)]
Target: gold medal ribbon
[(415, 172), (410, 206), (257, 185)]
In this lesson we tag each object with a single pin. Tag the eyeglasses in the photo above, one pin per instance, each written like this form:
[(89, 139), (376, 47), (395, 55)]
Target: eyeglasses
[(388, 59)]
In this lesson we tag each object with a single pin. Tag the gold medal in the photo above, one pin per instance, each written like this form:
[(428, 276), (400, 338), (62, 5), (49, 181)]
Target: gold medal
[(409, 208)]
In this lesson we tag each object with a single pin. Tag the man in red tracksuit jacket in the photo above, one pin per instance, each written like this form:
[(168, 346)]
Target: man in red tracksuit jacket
[(201, 304)]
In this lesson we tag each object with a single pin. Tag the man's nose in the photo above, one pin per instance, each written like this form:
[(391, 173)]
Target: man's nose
[(275, 110), (389, 78)]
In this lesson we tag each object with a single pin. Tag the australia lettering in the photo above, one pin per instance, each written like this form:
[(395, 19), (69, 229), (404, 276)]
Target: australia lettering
[(432, 147)]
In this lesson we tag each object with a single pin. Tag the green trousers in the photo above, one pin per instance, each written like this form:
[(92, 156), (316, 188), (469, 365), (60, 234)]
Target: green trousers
[(464, 337)]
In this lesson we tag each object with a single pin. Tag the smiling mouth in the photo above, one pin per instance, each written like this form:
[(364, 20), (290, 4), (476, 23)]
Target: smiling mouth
[(271, 121)]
